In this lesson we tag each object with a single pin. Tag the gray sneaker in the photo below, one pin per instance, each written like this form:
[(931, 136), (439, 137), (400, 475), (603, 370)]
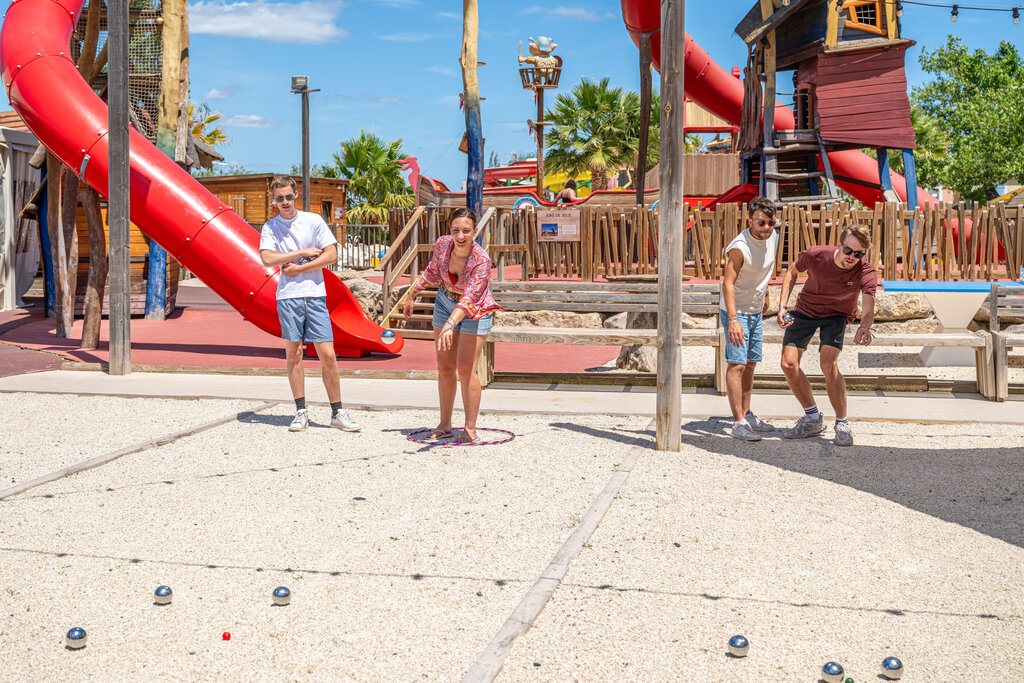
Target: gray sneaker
[(744, 432), (344, 422), (844, 437), (759, 425), (805, 427), (300, 422)]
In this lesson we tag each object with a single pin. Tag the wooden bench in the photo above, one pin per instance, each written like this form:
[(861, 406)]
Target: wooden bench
[(1006, 299), (596, 297)]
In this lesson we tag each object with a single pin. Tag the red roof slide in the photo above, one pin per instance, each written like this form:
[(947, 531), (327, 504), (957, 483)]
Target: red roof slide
[(721, 93), (167, 204)]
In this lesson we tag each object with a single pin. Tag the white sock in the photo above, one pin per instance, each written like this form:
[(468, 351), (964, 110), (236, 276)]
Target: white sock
[(739, 422), (813, 412)]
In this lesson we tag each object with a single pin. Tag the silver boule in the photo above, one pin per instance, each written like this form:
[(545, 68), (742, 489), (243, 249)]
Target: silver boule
[(832, 673), (738, 646), (892, 668), (75, 638), (282, 596), (162, 595)]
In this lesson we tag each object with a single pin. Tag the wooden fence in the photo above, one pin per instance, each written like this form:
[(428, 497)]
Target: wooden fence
[(621, 242)]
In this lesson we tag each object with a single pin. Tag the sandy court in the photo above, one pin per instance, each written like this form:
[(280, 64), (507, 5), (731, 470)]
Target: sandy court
[(403, 560), (909, 544), (44, 433)]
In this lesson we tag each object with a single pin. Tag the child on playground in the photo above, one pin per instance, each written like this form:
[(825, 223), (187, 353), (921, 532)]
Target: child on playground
[(836, 276), (463, 314), (750, 261), (302, 244)]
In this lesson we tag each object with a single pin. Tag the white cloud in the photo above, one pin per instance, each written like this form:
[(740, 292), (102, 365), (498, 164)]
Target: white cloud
[(577, 13), (310, 22), (380, 99), (448, 99), (448, 15), (395, 3), (443, 70), (248, 121), (221, 93), (407, 37)]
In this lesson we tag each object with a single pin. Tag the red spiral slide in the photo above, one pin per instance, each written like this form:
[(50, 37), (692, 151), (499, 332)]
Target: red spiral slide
[(167, 204), (721, 93)]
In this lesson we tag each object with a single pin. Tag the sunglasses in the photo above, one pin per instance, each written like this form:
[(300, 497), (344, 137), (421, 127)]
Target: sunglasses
[(285, 198), (770, 223), (857, 254)]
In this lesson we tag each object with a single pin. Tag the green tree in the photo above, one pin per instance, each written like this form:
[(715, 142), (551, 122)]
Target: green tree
[(976, 98), (932, 149), (372, 168), (220, 169), (593, 128)]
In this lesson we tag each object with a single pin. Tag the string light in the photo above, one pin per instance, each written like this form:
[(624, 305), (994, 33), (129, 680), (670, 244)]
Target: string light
[(899, 9), (954, 9), (955, 12), (1016, 16)]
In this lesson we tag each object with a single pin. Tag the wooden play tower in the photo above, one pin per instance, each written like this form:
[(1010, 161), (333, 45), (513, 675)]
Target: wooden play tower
[(850, 92)]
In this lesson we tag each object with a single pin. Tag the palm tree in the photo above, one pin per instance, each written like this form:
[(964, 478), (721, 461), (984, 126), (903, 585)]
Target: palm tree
[(375, 177), (932, 146), (199, 117), (593, 128)]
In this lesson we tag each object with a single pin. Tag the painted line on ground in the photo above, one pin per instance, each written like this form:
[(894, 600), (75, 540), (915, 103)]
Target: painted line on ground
[(109, 457), (489, 664)]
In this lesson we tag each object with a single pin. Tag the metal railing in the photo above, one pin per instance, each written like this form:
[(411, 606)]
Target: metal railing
[(360, 245)]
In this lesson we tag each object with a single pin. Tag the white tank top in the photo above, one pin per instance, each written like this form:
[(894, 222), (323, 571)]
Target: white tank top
[(758, 263)]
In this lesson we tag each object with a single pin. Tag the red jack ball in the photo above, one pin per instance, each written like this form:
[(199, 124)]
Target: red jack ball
[(226, 636)]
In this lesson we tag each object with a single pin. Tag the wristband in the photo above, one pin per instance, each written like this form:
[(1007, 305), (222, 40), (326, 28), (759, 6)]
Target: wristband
[(736, 320)]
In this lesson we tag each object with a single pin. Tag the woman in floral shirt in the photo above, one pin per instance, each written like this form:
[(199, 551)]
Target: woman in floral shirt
[(463, 313)]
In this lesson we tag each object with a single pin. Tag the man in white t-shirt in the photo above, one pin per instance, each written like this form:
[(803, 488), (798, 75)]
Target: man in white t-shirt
[(750, 261), (302, 244)]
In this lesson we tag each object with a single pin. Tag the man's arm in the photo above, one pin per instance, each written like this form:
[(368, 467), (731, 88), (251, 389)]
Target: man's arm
[(788, 280), (272, 258), (733, 263), (867, 317), (325, 258)]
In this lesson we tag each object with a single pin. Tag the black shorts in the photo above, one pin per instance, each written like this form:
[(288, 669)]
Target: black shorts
[(803, 328)]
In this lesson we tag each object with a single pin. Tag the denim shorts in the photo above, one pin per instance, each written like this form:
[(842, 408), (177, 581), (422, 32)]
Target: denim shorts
[(750, 350), (305, 319), (444, 306)]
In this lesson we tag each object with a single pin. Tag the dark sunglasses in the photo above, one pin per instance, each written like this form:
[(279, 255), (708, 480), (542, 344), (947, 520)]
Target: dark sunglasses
[(770, 223), (848, 251), (285, 198)]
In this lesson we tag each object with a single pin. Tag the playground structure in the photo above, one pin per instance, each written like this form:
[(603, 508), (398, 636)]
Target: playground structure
[(170, 206)]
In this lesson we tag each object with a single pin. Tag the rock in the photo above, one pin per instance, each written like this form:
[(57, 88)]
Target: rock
[(370, 296), (1013, 329), (773, 298), (915, 326), (547, 319), (645, 358), (616, 322), (983, 315), (901, 306), (351, 274)]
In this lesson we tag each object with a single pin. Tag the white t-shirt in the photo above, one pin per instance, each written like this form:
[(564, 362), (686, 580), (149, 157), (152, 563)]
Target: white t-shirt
[(758, 263), (304, 231)]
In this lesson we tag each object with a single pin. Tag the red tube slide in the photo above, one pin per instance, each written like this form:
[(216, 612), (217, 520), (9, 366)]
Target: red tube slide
[(167, 204), (721, 93)]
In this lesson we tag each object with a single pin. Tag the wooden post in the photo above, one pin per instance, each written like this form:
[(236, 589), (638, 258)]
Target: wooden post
[(471, 88), (60, 246), (671, 229), (645, 116), (96, 285), (118, 189), (539, 128)]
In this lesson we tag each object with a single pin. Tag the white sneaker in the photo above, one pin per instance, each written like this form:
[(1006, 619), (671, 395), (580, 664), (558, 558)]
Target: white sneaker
[(744, 432), (759, 425), (344, 422), (300, 422), (844, 437)]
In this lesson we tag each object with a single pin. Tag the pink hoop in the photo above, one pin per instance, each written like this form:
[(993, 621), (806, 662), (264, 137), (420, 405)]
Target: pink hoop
[(438, 442)]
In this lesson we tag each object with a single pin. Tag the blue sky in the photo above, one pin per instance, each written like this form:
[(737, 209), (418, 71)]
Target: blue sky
[(391, 66)]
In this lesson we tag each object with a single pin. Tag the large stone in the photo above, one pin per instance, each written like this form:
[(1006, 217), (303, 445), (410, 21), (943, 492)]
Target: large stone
[(773, 298), (913, 326), (616, 322), (347, 274), (901, 306), (983, 315), (370, 296), (547, 319), (645, 358)]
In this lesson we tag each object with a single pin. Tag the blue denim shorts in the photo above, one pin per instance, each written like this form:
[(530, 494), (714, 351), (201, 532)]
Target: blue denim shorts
[(444, 306), (305, 319), (750, 351)]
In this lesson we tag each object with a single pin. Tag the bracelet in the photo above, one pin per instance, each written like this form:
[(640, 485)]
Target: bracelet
[(736, 320)]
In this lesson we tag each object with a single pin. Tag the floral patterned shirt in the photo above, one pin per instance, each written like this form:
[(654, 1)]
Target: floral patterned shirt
[(471, 286)]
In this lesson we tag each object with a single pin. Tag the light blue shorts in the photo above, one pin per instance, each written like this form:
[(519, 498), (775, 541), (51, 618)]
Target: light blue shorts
[(305, 319), (444, 306), (750, 351)]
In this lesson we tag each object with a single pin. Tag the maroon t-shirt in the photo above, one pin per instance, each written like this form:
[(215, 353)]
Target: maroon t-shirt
[(831, 291)]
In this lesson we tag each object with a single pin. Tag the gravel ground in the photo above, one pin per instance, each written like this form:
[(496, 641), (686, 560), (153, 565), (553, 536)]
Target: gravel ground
[(909, 544), (43, 433), (403, 560)]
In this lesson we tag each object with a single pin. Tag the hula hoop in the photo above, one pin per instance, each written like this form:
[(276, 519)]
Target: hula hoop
[(655, 204), (508, 436), (525, 200)]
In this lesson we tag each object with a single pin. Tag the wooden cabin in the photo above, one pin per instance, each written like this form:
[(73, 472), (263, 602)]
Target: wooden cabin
[(850, 90), (250, 197)]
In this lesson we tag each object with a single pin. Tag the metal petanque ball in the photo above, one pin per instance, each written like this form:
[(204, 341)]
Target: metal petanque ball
[(788, 318), (282, 596), (162, 595), (387, 336), (75, 638), (832, 673), (738, 646), (892, 668)]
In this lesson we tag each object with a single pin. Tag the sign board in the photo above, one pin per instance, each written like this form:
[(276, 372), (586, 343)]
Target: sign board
[(558, 226)]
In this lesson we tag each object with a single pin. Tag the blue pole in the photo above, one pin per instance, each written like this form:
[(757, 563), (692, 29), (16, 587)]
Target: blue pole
[(50, 303), (910, 171), (156, 282), (884, 176)]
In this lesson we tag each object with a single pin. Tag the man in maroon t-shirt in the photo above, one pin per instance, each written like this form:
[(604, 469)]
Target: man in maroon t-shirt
[(836, 276)]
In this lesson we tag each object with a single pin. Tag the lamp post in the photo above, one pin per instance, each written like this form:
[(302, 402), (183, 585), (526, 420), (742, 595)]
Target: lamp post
[(300, 85)]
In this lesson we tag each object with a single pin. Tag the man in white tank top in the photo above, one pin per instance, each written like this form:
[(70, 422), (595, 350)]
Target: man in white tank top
[(750, 260)]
